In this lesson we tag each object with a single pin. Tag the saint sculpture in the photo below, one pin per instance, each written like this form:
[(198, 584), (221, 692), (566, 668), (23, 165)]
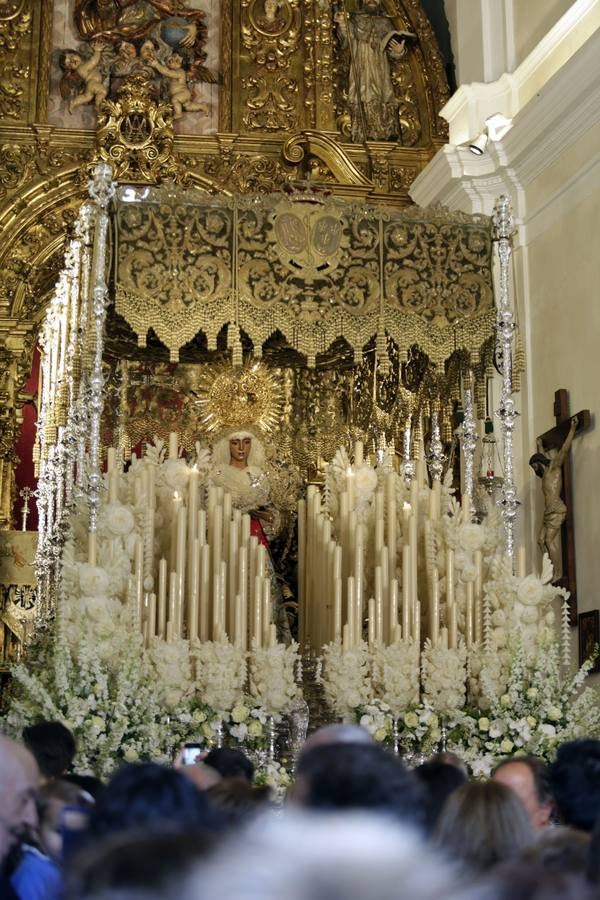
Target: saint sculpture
[(238, 461)]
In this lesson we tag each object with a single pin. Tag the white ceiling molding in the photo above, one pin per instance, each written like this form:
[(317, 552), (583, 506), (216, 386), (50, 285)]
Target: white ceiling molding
[(563, 110)]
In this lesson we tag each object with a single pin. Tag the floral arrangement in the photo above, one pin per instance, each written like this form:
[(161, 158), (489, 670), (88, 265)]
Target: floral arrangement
[(444, 677), (116, 713), (395, 675), (220, 673), (346, 678), (272, 676), (539, 707)]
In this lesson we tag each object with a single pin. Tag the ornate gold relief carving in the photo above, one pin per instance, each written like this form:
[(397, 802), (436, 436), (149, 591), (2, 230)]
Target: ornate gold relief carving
[(135, 134), (247, 174), (326, 148), (271, 103), (15, 25), (271, 31)]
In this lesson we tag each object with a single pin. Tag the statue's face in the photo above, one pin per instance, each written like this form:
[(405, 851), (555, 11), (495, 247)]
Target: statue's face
[(239, 449)]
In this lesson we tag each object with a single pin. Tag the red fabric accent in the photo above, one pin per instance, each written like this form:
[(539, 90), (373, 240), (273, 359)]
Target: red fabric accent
[(24, 476), (257, 530)]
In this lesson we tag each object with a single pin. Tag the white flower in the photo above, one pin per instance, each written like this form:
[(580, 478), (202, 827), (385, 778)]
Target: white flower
[(98, 723), (554, 714), (255, 729), (118, 519), (529, 615), (484, 724), (547, 730), (240, 713), (365, 480), (93, 580), (239, 732), (530, 591), (175, 473), (471, 537), (506, 746), (131, 755), (505, 701), (532, 693)]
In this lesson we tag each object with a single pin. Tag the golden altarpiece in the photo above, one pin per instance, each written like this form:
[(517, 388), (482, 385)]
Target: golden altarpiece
[(264, 249)]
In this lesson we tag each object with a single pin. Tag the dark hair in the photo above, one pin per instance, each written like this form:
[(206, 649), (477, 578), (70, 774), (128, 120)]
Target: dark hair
[(359, 776), (520, 880), (88, 783), (230, 763), (539, 771), (482, 824), (238, 800), (150, 797), (52, 745), (136, 862), (539, 458), (559, 849), (439, 780), (575, 782)]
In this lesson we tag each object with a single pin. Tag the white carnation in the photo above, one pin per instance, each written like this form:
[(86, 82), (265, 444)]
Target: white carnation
[(118, 519), (530, 591), (471, 537), (175, 473), (93, 580)]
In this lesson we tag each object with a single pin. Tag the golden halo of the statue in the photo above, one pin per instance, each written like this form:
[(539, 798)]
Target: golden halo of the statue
[(249, 396)]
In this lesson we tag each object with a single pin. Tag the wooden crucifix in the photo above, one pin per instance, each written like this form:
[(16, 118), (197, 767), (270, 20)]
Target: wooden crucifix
[(557, 535)]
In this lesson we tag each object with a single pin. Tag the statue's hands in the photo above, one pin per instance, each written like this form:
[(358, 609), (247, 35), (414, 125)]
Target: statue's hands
[(396, 49), (574, 423), (190, 35)]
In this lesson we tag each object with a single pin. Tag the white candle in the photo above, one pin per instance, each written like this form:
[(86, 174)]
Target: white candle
[(379, 605), (194, 594), (257, 630), (204, 592), (301, 570), (358, 453), (173, 445), (521, 563), (393, 608), (172, 627), (406, 592), (181, 556), (452, 627), (435, 608), (267, 612), (162, 599), (449, 577), (351, 611), (372, 622), (243, 592), (201, 527), (337, 610), (469, 615)]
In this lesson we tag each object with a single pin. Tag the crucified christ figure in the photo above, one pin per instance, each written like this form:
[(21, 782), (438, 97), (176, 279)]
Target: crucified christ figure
[(549, 469)]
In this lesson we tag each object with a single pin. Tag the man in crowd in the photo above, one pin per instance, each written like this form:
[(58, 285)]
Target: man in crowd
[(527, 776), (19, 779)]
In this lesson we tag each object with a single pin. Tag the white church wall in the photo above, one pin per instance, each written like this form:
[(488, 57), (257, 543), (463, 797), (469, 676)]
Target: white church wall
[(531, 20)]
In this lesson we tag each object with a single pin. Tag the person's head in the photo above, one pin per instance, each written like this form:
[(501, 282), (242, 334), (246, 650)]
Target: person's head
[(574, 778), (150, 797), (174, 61), (19, 780), (358, 777), (527, 776), (251, 454), (147, 51), (439, 780), (136, 865), (271, 7), (303, 856), (230, 763), (483, 823), (559, 850), (238, 800), (523, 880), (69, 60), (54, 800), (89, 784), (337, 734), (450, 759), (201, 775), (127, 51), (53, 747), (539, 463)]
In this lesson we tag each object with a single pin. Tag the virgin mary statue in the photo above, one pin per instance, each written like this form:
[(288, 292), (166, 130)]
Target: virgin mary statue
[(238, 460)]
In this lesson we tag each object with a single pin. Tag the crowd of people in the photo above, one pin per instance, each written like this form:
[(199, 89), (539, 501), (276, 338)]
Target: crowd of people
[(357, 824)]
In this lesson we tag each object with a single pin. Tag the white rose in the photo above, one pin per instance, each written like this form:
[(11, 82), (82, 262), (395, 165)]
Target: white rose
[(97, 608), (131, 755), (118, 519), (554, 714), (365, 479), (93, 580), (532, 693), (506, 746), (548, 730), (175, 473), (98, 723), (530, 591), (468, 573), (529, 615), (471, 537), (240, 713)]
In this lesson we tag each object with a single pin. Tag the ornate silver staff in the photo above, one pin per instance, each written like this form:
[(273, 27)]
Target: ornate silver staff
[(503, 223)]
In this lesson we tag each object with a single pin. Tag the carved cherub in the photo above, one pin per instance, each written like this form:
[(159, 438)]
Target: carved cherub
[(180, 94), (78, 71)]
